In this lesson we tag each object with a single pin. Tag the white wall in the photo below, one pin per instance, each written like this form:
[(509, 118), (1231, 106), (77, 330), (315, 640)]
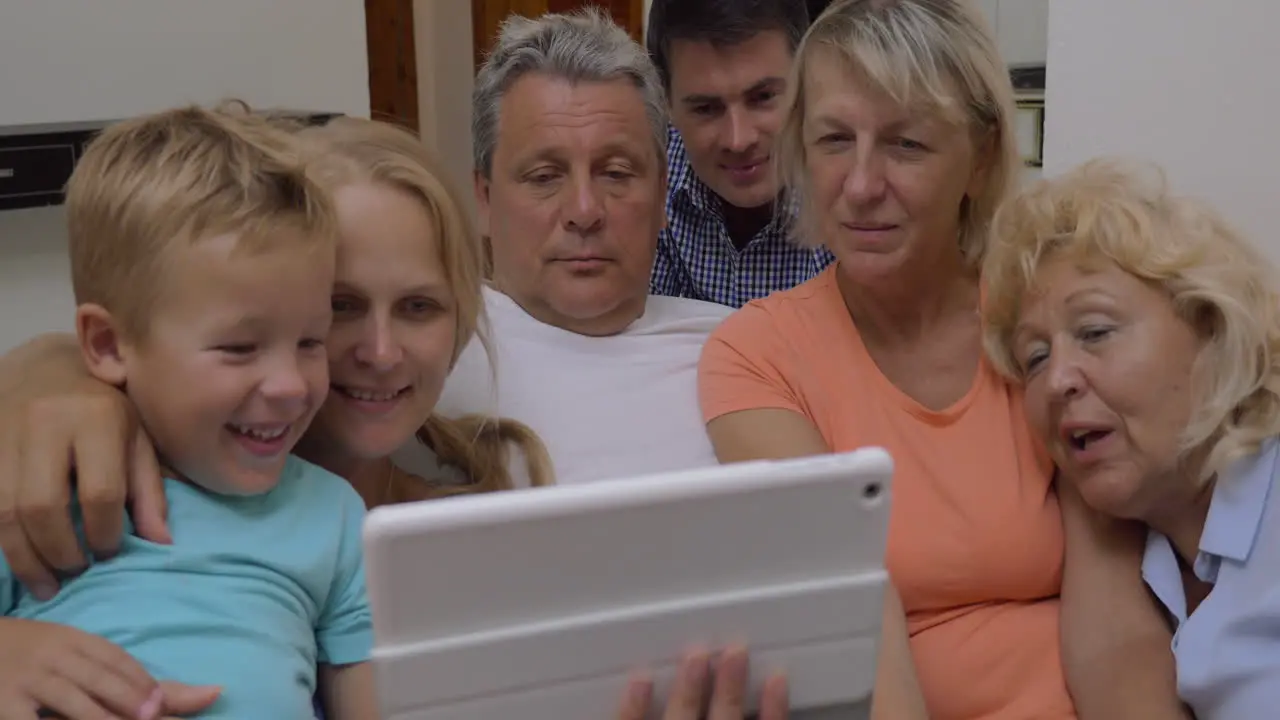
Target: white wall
[(443, 42), (66, 60), (1186, 83), (35, 281), (1021, 28), (69, 60)]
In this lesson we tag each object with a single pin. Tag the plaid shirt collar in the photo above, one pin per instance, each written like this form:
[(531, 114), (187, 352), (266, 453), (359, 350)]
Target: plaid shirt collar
[(685, 183), (696, 257)]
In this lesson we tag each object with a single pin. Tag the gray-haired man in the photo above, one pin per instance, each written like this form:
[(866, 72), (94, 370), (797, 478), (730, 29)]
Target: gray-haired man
[(570, 134), (569, 124)]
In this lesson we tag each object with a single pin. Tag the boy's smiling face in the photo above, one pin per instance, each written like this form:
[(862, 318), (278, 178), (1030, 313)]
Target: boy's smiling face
[(233, 366)]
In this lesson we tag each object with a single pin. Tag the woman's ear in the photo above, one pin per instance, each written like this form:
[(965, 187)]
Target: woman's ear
[(985, 151), (101, 343)]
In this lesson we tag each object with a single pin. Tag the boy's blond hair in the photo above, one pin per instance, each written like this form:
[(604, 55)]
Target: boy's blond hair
[(168, 180)]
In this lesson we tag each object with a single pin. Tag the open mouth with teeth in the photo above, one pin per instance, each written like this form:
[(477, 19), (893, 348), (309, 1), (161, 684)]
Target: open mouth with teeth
[(1082, 439), (261, 434), (369, 395), (264, 441)]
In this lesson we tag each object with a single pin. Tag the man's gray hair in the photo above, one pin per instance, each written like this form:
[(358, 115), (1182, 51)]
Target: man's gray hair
[(583, 46)]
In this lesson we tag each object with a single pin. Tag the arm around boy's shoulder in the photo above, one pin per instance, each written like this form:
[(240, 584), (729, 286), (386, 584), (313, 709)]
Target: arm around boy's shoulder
[(17, 600)]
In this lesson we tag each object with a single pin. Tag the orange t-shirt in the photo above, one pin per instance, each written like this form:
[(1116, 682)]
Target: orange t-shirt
[(975, 538)]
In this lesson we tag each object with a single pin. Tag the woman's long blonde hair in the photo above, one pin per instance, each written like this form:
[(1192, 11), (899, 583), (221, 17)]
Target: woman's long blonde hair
[(354, 150)]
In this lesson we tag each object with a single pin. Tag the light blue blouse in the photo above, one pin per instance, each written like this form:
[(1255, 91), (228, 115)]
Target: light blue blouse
[(1228, 650)]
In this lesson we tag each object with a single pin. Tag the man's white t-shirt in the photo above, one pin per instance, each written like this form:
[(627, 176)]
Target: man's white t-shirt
[(606, 407)]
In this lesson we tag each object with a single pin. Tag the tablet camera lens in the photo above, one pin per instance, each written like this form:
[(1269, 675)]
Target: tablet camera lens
[(871, 491)]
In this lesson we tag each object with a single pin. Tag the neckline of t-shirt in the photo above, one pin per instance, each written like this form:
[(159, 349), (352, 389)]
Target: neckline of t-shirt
[(499, 302), (942, 417)]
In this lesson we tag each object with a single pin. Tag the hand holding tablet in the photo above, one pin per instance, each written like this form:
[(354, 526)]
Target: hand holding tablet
[(540, 604)]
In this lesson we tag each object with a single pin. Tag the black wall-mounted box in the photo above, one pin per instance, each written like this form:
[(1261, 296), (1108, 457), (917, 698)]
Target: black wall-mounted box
[(36, 160)]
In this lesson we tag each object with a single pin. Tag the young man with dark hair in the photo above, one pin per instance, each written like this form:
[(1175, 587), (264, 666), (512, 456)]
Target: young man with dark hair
[(724, 64)]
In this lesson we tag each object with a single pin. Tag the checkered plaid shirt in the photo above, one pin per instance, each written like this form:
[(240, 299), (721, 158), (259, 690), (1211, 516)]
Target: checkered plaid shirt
[(697, 259)]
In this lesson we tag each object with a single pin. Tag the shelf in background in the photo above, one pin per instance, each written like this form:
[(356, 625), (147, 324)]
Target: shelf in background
[(1028, 122), (37, 160)]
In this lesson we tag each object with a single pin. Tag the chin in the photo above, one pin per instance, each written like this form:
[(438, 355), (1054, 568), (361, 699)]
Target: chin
[(380, 446), (867, 268), (374, 442), (366, 437), (749, 197), (1110, 493), (248, 481), (590, 304)]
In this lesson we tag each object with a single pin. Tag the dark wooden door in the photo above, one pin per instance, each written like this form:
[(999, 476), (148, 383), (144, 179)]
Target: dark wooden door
[(487, 16), (393, 61), (393, 75)]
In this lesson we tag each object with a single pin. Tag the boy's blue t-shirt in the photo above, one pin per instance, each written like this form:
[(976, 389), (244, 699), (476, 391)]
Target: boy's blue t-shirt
[(251, 595)]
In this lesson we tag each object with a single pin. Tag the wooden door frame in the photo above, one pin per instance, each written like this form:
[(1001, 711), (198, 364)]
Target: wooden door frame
[(392, 51), (393, 62)]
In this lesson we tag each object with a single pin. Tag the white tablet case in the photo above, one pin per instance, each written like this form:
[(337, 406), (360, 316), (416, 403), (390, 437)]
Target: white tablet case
[(538, 604)]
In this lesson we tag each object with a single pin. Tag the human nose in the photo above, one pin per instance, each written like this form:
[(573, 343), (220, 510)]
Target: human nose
[(377, 347), (743, 133), (285, 380), (1064, 377), (584, 211), (866, 179)]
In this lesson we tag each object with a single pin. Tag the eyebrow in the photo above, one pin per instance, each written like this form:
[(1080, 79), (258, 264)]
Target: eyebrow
[(427, 288), (1085, 294), (1019, 331), (551, 153), (832, 118), (248, 323), (622, 146), (1075, 297), (826, 120), (768, 83)]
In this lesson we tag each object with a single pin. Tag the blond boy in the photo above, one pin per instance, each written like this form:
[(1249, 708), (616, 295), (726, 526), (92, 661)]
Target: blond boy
[(202, 258)]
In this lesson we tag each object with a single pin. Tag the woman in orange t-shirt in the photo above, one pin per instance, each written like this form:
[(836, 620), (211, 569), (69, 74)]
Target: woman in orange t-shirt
[(899, 144)]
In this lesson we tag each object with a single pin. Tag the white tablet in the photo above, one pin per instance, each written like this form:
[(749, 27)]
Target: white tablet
[(538, 604)]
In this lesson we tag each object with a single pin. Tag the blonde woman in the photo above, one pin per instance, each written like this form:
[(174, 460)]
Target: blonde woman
[(898, 140), (406, 300), (1147, 335)]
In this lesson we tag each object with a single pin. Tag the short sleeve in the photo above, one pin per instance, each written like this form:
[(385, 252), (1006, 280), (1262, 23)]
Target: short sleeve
[(344, 634), (745, 365), (8, 589)]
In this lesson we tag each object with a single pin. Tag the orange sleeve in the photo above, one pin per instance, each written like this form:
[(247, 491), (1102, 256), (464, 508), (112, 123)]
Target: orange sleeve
[(744, 366)]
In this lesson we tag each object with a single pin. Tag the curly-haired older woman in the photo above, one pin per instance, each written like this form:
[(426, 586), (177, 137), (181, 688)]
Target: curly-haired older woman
[(1147, 335)]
